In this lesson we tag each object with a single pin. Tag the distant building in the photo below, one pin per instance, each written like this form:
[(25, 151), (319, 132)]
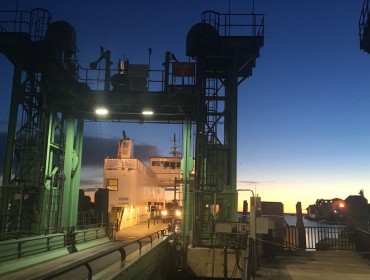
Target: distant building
[(357, 211)]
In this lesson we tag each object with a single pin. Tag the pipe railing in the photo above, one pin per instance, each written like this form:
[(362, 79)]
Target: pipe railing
[(121, 248)]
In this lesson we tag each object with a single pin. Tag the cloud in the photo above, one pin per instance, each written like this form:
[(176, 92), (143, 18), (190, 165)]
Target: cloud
[(94, 151)]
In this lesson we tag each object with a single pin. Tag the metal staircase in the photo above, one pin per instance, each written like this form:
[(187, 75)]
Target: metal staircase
[(226, 51), (364, 28)]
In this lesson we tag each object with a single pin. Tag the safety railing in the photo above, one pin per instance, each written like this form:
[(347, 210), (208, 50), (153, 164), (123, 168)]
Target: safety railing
[(236, 24), (121, 248), (156, 82), (361, 239), (309, 238), (91, 219), (33, 22), (18, 248), (222, 234)]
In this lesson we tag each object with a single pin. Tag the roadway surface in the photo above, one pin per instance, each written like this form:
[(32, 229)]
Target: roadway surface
[(36, 266), (326, 265)]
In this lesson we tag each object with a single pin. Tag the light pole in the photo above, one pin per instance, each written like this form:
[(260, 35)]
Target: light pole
[(252, 218), (251, 253)]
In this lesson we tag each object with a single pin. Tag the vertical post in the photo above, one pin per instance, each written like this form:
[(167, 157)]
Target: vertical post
[(186, 167), (166, 70), (230, 136), (300, 226), (68, 208), (12, 124), (107, 71), (76, 170), (245, 211)]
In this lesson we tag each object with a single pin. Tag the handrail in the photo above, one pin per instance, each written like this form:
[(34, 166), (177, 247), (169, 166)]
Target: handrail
[(32, 22), (85, 261), (236, 24), (361, 238), (44, 243)]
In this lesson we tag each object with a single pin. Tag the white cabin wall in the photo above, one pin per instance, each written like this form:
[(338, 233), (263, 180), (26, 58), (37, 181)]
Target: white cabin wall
[(137, 185)]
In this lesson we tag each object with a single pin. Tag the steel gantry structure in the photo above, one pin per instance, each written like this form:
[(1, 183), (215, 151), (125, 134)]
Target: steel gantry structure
[(225, 47), (364, 29), (52, 97)]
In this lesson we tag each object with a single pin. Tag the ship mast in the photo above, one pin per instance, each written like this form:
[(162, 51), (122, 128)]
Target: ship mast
[(174, 151)]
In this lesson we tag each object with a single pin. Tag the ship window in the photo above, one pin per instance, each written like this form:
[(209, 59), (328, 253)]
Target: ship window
[(112, 184), (166, 164), (156, 163)]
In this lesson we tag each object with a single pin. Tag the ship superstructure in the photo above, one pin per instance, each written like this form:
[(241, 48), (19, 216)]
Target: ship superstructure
[(132, 187)]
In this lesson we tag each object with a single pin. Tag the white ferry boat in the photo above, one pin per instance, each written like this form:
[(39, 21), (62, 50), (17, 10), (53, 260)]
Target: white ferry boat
[(134, 188)]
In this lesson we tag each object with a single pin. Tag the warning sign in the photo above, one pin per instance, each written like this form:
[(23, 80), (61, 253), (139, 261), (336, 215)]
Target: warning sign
[(183, 69)]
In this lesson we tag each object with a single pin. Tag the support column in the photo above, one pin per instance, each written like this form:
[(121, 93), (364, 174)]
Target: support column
[(5, 193), (188, 196), (69, 207), (12, 124), (231, 116), (76, 171)]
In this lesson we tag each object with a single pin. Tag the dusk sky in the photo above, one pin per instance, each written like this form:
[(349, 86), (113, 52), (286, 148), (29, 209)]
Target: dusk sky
[(304, 114)]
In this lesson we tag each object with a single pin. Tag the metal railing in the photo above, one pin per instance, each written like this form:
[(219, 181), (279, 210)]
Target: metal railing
[(361, 239), (11, 230), (18, 248), (310, 238), (33, 22), (121, 248), (315, 238), (236, 24), (220, 234)]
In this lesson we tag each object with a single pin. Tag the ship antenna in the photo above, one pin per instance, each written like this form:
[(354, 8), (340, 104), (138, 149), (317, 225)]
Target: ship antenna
[(174, 153)]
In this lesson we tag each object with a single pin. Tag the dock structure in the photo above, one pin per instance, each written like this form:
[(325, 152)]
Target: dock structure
[(98, 259), (293, 265), (328, 265)]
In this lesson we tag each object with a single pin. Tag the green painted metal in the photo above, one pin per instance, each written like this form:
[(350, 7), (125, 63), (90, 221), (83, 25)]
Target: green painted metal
[(16, 93), (221, 67), (76, 171), (188, 197), (6, 196), (72, 172)]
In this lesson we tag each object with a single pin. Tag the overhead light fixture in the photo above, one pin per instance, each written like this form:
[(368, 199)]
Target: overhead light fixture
[(147, 112), (101, 111)]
